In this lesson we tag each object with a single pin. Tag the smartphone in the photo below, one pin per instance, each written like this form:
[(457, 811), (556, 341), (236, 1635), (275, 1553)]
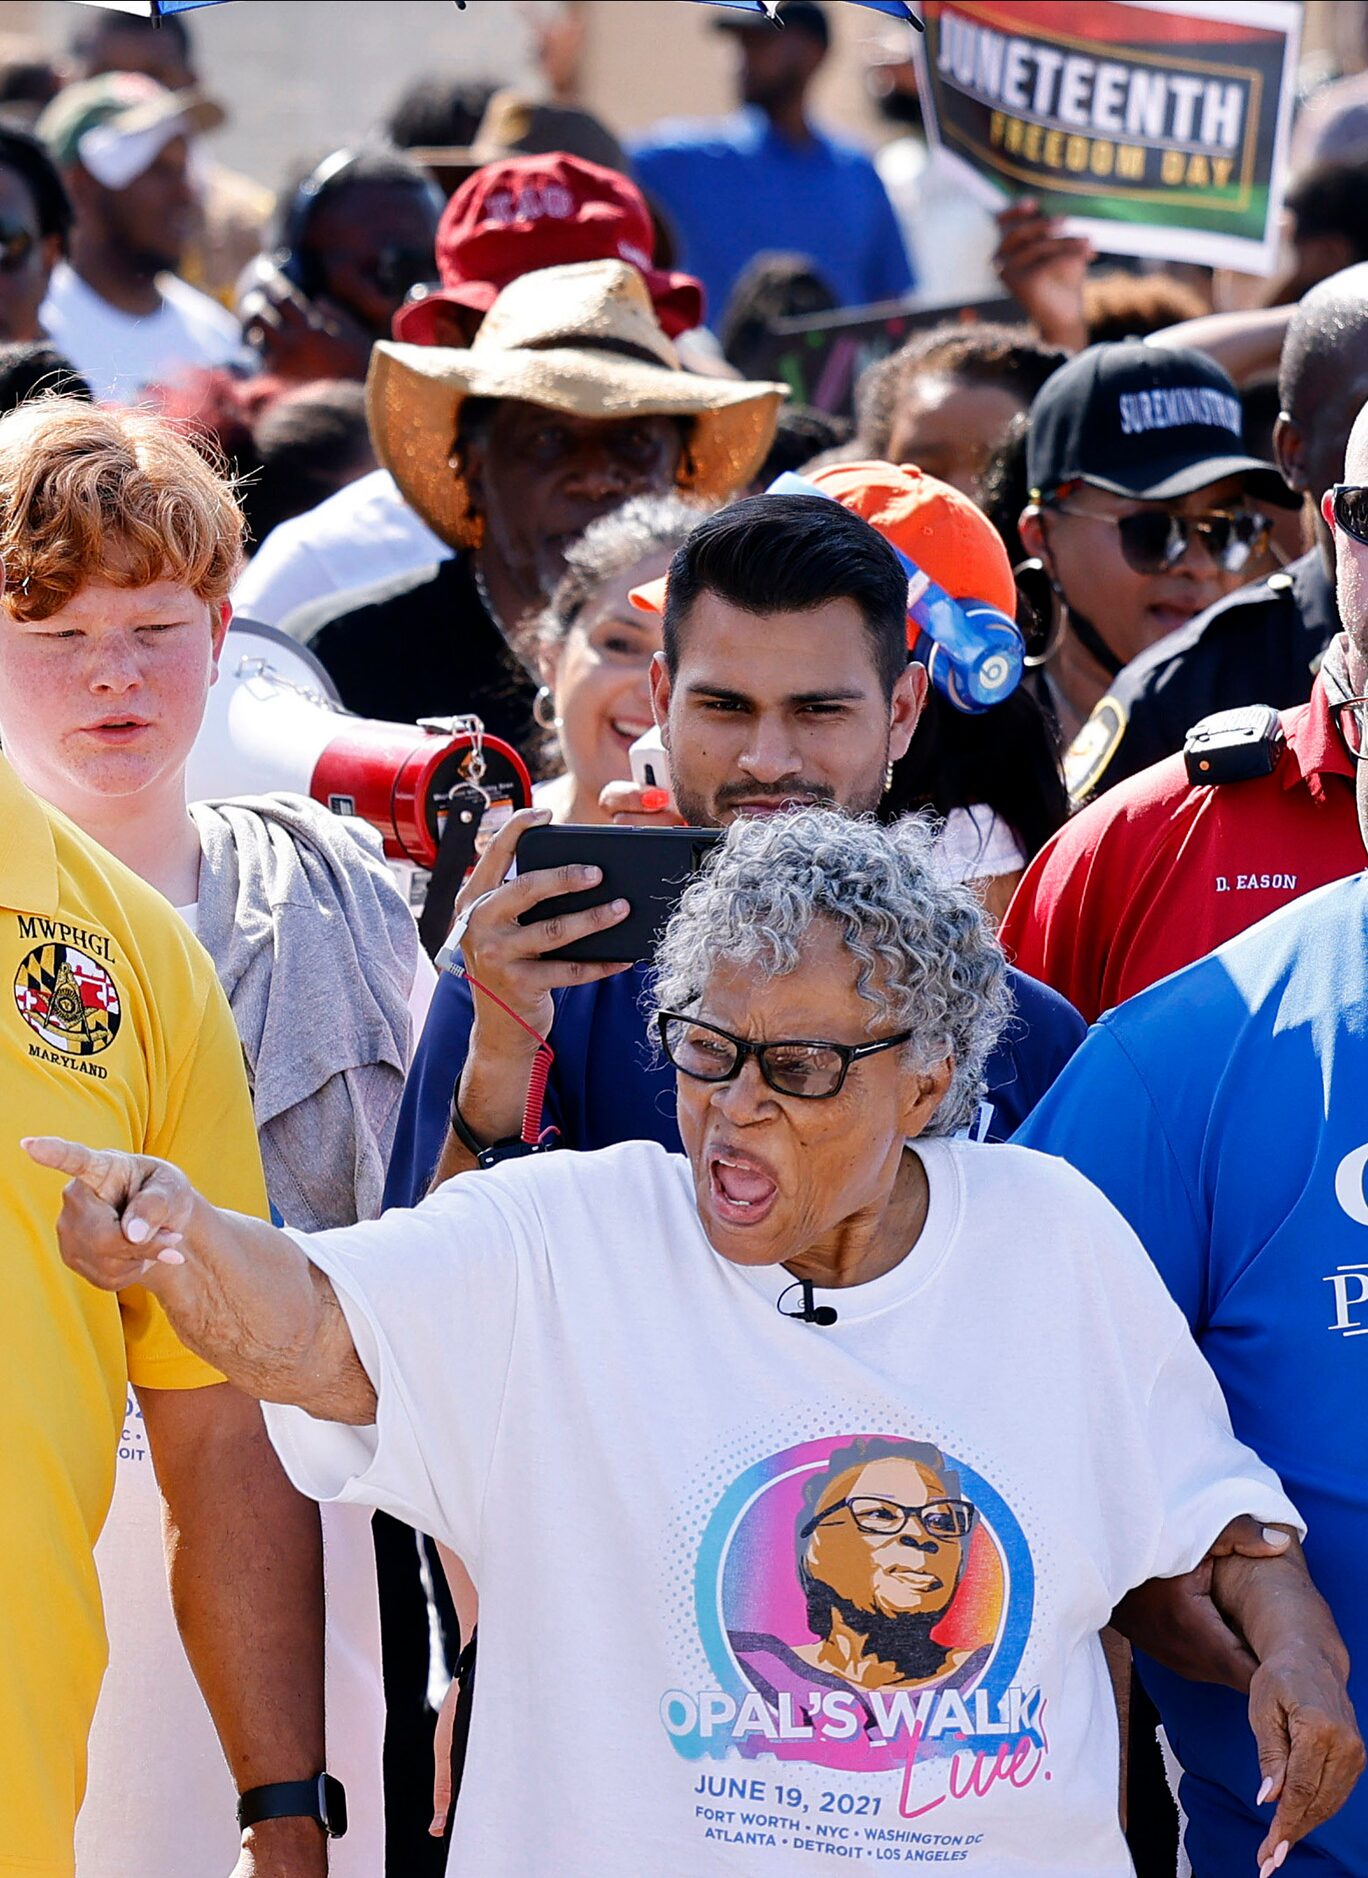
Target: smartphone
[(647, 867), (650, 765)]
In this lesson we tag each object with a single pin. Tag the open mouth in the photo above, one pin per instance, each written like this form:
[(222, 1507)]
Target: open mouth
[(742, 1192), (627, 729)]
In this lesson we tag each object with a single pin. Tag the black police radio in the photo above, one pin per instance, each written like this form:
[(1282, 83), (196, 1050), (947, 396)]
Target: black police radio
[(1234, 746)]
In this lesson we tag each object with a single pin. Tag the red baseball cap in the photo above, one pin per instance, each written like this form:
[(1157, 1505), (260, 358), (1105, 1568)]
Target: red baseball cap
[(518, 215)]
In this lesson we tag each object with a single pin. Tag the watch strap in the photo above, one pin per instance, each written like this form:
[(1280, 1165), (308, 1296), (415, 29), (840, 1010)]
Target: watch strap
[(321, 1798)]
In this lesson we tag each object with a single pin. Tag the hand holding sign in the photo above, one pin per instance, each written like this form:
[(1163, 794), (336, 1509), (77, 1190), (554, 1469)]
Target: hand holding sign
[(1158, 130)]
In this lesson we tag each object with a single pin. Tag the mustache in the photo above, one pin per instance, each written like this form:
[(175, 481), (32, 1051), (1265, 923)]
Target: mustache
[(822, 795)]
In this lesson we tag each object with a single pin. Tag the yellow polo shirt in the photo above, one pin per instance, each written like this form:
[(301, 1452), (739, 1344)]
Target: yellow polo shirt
[(113, 1031)]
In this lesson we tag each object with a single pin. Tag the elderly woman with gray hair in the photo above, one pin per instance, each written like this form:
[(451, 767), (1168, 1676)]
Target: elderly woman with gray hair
[(797, 1473)]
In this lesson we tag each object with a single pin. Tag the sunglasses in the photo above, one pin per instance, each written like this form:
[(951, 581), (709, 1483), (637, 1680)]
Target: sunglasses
[(1153, 541), (1350, 509), (16, 246)]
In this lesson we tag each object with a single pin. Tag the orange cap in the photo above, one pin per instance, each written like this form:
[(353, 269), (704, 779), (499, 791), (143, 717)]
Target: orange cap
[(947, 535), (930, 522)]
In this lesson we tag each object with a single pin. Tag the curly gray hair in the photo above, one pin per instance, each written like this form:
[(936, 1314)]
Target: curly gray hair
[(928, 961)]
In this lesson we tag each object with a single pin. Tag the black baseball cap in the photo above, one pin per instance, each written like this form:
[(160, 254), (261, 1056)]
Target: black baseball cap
[(1152, 422), (803, 16)]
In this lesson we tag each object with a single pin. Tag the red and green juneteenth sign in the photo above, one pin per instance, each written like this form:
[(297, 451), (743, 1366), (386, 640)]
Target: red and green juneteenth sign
[(1167, 124)]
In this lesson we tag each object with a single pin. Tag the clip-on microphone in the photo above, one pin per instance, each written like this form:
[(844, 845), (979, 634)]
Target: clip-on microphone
[(808, 1312)]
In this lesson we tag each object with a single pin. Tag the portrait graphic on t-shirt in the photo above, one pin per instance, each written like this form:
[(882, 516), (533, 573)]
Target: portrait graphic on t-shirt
[(882, 1541), (859, 1599)]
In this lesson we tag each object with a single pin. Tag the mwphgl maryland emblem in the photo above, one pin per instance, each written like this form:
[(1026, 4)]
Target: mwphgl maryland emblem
[(69, 999)]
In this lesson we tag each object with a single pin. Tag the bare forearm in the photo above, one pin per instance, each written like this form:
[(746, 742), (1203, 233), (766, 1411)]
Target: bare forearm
[(245, 1561), (1244, 343), (249, 1302), (1274, 1606), (493, 1091)]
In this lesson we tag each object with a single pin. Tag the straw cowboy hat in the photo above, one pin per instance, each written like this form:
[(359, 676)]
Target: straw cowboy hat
[(582, 339)]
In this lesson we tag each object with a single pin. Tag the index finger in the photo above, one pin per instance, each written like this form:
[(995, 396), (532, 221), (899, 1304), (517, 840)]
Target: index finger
[(68, 1157), (491, 870)]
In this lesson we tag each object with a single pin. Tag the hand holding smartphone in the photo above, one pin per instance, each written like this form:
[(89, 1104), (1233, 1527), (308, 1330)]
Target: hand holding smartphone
[(649, 868)]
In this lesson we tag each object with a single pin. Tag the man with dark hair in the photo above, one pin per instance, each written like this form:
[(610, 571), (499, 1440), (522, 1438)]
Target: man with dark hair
[(769, 178), (1260, 645), (785, 682), (355, 237), (117, 309), (438, 113), (35, 221), (160, 49)]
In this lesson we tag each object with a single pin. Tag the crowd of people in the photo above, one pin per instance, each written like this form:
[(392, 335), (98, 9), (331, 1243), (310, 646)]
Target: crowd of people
[(833, 1380)]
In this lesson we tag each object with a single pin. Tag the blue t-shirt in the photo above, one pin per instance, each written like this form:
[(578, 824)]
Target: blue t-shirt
[(608, 1083), (734, 186), (1223, 1113)]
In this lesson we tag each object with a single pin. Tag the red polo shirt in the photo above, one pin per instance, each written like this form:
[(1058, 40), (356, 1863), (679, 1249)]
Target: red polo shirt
[(1155, 873)]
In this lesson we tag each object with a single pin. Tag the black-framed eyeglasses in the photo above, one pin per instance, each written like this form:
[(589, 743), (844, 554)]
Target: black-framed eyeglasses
[(803, 1067), (1153, 541), (16, 246), (885, 1519), (1349, 505)]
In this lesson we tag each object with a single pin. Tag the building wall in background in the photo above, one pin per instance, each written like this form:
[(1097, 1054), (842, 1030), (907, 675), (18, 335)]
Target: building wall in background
[(303, 77)]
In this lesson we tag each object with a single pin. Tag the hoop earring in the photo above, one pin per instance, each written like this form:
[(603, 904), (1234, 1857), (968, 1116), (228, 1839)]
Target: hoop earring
[(1041, 599), (544, 710)]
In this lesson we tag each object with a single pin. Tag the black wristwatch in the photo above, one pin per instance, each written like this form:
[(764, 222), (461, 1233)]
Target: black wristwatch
[(511, 1148), (321, 1798)]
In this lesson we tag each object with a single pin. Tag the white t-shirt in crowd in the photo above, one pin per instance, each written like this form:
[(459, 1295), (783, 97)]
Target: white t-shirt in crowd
[(120, 354), (167, 1810), (625, 1439), (364, 533), (976, 844)]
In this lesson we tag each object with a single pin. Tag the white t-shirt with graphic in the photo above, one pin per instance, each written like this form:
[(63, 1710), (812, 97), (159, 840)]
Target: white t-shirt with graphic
[(755, 1593), (120, 354)]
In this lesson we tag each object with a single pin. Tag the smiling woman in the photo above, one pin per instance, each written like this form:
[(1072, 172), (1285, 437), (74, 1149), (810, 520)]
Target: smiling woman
[(594, 650)]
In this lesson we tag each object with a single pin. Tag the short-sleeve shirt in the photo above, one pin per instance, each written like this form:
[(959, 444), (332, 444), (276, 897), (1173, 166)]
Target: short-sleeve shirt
[(1222, 1112), (113, 1031), (1156, 873), (627, 1442), (609, 1083), (121, 354), (735, 186)]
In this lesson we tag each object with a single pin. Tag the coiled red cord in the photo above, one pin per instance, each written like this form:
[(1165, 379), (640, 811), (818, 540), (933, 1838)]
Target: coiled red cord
[(532, 1131)]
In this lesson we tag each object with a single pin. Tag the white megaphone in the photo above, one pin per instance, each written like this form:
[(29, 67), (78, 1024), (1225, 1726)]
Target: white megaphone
[(274, 722)]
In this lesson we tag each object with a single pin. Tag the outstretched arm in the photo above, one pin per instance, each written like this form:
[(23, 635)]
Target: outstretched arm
[(238, 1292)]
